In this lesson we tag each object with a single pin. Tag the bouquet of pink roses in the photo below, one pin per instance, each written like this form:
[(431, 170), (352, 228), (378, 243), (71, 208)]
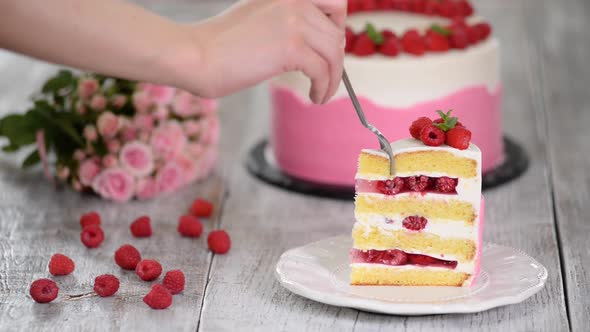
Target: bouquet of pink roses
[(117, 138)]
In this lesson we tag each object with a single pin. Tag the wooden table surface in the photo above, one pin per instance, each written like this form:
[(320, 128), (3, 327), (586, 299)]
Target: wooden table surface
[(546, 74)]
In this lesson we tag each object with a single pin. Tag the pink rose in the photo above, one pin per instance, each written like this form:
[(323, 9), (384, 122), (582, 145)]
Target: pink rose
[(210, 130), (162, 113), (87, 87), (115, 184), (206, 162), (63, 172), (186, 104), (209, 106), (129, 134), (137, 158), (76, 185), (79, 155), (89, 168), (90, 133), (159, 94), (109, 161), (141, 101), (168, 139), (189, 167), (195, 150), (146, 188), (144, 136), (118, 101), (191, 127), (98, 102), (108, 125), (113, 146), (144, 121), (170, 177)]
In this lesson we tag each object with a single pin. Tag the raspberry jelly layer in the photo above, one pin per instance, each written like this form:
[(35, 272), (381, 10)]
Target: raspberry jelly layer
[(398, 258), (321, 143), (388, 187)]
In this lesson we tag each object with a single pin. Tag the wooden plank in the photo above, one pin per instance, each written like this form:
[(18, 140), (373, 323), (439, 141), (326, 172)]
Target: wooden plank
[(36, 220), (563, 50), (264, 221)]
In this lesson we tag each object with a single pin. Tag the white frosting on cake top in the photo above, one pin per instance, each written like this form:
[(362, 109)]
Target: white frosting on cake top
[(412, 145), (406, 80)]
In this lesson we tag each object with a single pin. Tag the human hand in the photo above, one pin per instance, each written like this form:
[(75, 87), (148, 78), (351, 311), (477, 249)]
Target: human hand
[(257, 39)]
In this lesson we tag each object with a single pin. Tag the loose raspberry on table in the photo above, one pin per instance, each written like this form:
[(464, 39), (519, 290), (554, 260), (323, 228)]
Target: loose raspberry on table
[(417, 126), (43, 290), (432, 136), (127, 257), (174, 281), (201, 208), (92, 236), (158, 298), (219, 242), (363, 45), (391, 187), (141, 227), (418, 183), (148, 269), (459, 138), (90, 218), (106, 285), (61, 265), (413, 43), (415, 223), (446, 184), (189, 226)]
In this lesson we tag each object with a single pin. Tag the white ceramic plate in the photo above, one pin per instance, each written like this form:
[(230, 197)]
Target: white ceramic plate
[(320, 271)]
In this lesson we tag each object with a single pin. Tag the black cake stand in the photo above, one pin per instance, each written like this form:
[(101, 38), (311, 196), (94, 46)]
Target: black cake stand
[(261, 165)]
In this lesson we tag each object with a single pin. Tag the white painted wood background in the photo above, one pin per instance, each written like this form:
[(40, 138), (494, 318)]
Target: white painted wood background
[(545, 51)]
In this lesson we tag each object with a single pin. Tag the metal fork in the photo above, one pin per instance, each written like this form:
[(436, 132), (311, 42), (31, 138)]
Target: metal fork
[(383, 142)]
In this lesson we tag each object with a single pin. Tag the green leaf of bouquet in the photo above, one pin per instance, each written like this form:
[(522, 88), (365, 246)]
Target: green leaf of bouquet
[(18, 130), (44, 110), (32, 159), (63, 79)]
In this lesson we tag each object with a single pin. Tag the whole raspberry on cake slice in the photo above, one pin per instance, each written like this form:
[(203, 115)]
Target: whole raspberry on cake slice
[(420, 226)]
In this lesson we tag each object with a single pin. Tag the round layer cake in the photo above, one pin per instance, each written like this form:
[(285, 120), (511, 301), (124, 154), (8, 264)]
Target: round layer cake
[(321, 143)]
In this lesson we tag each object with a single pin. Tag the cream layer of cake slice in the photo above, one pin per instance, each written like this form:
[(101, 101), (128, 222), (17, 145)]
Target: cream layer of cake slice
[(423, 225)]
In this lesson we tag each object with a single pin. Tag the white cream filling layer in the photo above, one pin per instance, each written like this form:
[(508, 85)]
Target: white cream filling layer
[(440, 227), (465, 268)]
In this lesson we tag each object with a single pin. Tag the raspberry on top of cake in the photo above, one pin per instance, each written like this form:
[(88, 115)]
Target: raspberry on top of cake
[(421, 226)]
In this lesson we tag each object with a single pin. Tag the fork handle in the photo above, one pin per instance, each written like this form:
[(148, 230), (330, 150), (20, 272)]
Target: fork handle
[(355, 102)]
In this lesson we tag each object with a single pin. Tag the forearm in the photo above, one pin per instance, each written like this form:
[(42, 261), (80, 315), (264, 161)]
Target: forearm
[(107, 36)]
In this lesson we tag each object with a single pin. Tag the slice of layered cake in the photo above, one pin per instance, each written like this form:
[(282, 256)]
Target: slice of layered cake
[(421, 226)]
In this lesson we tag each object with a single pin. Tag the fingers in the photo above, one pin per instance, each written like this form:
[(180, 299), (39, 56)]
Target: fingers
[(325, 38), (336, 9), (314, 66)]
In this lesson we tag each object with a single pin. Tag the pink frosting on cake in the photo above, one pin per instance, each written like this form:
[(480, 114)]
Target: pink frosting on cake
[(321, 143)]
